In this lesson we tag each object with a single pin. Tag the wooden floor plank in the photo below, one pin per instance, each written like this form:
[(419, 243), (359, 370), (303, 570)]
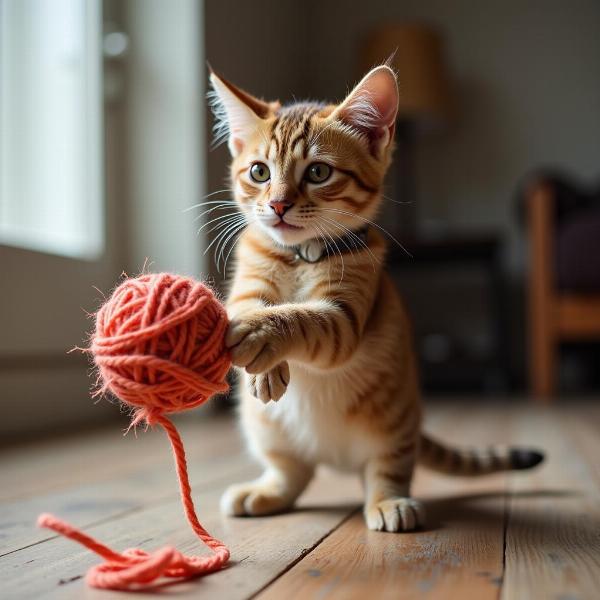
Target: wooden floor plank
[(583, 423), (459, 556), (323, 550), (553, 533), (98, 455), (261, 548), (134, 484), (89, 504)]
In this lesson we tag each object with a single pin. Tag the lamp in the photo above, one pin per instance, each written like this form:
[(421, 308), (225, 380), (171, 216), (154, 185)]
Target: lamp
[(417, 55)]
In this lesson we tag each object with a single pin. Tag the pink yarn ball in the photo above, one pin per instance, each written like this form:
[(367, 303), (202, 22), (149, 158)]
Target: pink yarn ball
[(159, 344)]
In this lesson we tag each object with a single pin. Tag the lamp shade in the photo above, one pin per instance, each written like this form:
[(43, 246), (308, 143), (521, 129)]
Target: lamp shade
[(418, 58)]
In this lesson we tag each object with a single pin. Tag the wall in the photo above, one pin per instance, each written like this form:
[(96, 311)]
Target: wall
[(154, 169), (43, 304), (527, 88), (164, 129)]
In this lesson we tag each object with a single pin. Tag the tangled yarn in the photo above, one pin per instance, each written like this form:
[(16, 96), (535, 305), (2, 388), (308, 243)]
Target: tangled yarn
[(159, 346)]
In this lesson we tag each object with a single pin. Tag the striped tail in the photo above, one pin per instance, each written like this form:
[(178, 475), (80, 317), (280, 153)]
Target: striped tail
[(475, 461)]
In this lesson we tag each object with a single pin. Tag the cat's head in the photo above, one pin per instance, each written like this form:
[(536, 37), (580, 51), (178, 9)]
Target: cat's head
[(309, 170)]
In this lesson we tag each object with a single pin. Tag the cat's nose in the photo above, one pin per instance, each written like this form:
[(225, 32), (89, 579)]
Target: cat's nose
[(280, 207)]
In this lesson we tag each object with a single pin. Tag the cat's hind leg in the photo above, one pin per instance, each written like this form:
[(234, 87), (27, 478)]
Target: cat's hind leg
[(285, 474), (276, 490), (388, 505)]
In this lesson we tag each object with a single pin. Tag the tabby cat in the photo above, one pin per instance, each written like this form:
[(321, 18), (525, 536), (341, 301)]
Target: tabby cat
[(324, 341)]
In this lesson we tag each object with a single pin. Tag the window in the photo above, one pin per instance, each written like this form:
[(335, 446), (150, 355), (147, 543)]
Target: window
[(51, 192)]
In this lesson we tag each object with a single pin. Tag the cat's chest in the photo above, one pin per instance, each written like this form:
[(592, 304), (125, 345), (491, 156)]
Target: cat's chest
[(296, 283), (313, 411)]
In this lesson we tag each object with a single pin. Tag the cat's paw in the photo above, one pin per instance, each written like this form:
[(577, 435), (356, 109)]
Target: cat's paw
[(255, 342), (254, 499), (272, 384), (395, 514)]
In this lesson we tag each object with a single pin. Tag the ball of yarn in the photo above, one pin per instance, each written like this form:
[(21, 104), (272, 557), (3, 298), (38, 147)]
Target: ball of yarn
[(159, 344)]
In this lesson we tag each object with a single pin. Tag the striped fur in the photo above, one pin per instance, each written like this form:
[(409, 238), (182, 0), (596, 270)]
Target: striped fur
[(329, 371)]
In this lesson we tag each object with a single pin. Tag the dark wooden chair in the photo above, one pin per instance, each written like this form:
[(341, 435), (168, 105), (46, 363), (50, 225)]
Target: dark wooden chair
[(556, 312)]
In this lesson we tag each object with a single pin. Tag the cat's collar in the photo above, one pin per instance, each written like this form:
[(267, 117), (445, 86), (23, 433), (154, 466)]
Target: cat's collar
[(314, 251)]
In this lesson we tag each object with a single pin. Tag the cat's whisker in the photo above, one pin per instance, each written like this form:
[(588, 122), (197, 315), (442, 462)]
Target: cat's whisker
[(355, 237), (224, 223), (322, 239), (207, 196), (238, 233), (218, 248), (402, 202), (225, 241), (219, 218), (343, 241), (382, 229), (219, 235), (336, 248), (224, 237), (220, 206), (349, 248), (226, 227)]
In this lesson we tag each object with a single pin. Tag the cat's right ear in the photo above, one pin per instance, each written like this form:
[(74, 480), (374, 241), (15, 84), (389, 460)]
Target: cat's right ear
[(237, 113)]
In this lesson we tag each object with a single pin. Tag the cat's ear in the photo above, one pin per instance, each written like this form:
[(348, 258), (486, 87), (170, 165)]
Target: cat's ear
[(237, 113), (371, 107)]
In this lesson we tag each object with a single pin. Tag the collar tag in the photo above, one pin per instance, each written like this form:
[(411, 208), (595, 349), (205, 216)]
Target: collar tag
[(313, 251)]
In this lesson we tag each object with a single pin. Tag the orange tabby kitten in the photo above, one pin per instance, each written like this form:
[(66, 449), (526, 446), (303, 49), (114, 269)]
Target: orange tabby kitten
[(330, 374)]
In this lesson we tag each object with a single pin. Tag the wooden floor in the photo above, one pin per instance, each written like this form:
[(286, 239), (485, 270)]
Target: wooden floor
[(514, 537)]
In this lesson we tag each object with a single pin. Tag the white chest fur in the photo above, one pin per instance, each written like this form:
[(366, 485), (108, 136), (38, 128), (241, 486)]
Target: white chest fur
[(313, 414)]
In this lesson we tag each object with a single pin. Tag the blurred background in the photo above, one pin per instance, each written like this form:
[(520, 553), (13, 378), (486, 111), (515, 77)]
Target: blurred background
[(105, 142)]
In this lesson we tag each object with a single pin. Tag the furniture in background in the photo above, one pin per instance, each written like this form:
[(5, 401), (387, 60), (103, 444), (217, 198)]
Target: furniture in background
[(563, 224), (416, 53), (457, 368)]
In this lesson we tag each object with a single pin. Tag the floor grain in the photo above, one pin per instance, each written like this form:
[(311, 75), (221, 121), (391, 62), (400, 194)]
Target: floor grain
[(515, 537), (553, 533)]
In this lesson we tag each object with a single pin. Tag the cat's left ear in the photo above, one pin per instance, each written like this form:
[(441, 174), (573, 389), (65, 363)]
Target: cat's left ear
[(371, 107), (238, 114)]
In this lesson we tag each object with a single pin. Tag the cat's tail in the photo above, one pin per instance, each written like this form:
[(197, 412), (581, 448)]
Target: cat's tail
[(475, 461)]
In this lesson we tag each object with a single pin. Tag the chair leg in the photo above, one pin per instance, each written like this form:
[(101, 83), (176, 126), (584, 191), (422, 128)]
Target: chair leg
[(542, 296), (543, 363)]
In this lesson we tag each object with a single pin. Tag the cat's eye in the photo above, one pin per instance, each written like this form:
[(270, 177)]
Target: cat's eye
[(260, 172), (318, 172)]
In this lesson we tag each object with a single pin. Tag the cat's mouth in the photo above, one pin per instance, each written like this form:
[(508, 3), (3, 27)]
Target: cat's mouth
[(285, 226), (286, 233)]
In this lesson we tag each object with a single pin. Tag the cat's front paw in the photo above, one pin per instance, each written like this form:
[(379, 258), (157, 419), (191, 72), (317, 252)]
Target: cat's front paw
[(395, 514), (255, 342), (272, 384)]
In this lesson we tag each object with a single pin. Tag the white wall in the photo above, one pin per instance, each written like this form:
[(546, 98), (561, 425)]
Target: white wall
[(164, 119)]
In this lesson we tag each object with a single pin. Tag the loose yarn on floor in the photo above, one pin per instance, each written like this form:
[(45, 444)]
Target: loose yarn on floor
[(159, 346)]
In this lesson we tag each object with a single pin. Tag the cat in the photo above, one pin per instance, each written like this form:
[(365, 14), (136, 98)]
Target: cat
[(317, 329)]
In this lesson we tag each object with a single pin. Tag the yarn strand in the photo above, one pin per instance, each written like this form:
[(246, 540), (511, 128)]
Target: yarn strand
[(136, 567)]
